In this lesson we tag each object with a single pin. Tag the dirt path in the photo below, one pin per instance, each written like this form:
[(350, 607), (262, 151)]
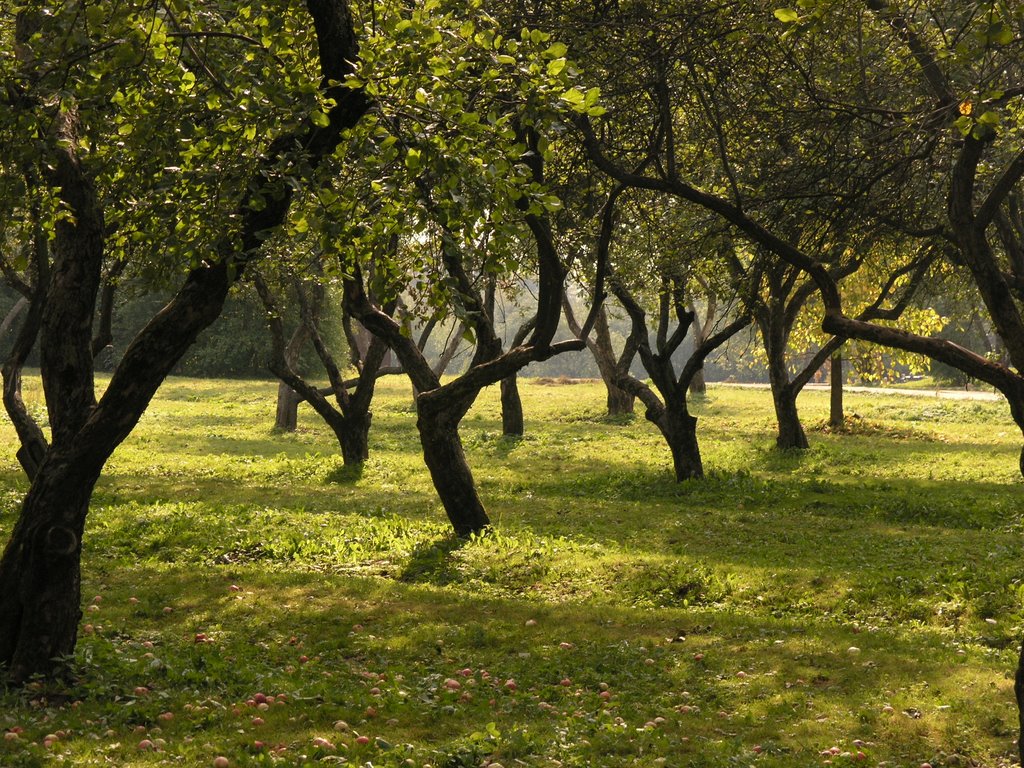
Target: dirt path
[(942, 394)]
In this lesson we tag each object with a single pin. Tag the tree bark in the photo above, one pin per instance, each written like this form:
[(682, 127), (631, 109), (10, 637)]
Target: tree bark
[(33, 445), (836, 417), (286, 417), (619, 401), (511, 408), (354, 437), (40, 569), (699, 386), (791, 433), (12, 316), (287, 414), (445, 459), (701, 332), (679, 428)]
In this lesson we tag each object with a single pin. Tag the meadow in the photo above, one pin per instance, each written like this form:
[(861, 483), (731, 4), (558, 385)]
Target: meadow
[(248, 597)]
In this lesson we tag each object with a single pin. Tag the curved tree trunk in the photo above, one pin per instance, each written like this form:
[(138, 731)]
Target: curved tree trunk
[(620, 402), (679, 429), (438, 425), (40, 570), (33, 445), (12, 316), (791, 431), (40, 581), (286, 418), (511, 408)]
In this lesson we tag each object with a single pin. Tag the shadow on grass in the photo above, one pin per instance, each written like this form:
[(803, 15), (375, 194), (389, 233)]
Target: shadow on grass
[(431, 562), (348, 624), (346, 474)]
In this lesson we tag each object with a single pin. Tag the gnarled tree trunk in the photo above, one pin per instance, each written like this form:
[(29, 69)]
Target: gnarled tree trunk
[(679, 428), (40, 570), (438, 425)]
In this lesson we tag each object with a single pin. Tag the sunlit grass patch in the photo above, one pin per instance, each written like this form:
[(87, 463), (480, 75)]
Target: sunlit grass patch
[(862, 596)]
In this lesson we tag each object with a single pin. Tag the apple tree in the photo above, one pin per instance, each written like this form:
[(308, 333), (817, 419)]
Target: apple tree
[(180, 130)]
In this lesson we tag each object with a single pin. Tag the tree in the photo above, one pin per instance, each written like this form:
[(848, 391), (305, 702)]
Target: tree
[(951, 89), (350, 418), (57, 82), (661, 245), (457, 160)]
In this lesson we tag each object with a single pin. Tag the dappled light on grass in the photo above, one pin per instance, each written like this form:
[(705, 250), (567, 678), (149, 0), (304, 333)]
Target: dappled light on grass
[(858, 597)]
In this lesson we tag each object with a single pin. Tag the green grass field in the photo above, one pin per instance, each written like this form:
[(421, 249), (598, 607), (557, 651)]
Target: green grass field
[(859, 603)]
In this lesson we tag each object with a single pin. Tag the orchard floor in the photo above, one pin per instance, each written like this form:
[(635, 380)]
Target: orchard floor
[(859, 603)]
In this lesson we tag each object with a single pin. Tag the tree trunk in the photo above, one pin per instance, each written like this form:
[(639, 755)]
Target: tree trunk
[(791, 431), (680, 431), (620, 402), (354, 437), (12, 317), (511, 408), (836, 417), (1018, 686), (438, 426), (698, 386), (287, 418), (40, 570)]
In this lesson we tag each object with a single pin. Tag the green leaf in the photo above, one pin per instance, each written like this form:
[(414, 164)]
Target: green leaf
[(573, 97), (320, 119), (786, 15), (989, 118), (413, 159), (556, 51)]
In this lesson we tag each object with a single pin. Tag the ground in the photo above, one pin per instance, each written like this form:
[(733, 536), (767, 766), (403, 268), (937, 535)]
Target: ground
[(249, 597)]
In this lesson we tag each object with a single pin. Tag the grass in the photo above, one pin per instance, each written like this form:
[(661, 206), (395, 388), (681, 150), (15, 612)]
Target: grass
[(862, 596)]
